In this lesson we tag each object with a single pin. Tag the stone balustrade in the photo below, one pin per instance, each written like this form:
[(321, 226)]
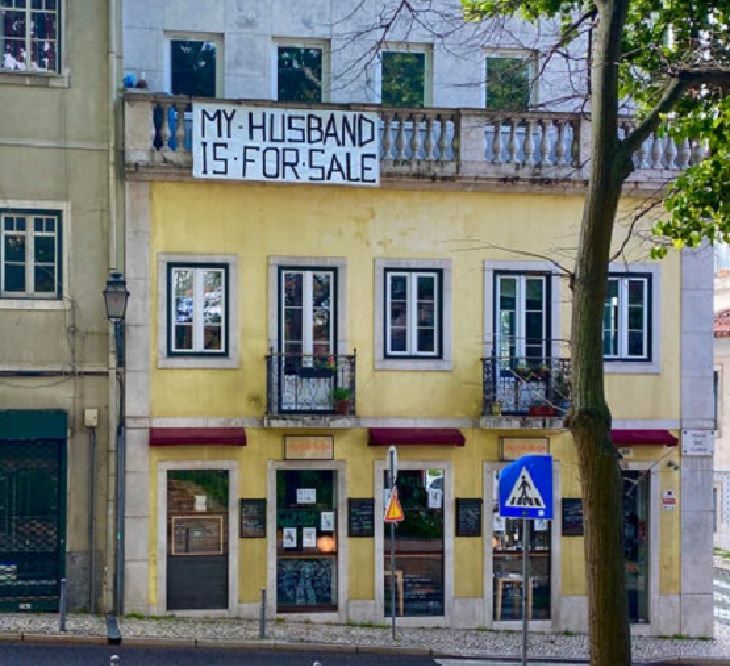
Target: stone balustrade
[(535, 147)]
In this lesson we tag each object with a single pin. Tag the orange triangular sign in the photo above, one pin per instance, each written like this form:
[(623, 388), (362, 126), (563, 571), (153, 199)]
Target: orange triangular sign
[(394, 511)]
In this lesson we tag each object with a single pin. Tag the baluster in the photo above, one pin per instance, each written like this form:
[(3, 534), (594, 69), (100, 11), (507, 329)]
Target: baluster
[(157, 119), (456, 138), (670, 154), (387, 139), (400, 142), (415, 137), (528, 149), (655, 152), (696, 152), (497, 140), (575, 144), (512, 140), (560, 144), (442, 142), (179, 127), (641, 155), (683, 154), (165, 126), (546, 125), (428, 143)]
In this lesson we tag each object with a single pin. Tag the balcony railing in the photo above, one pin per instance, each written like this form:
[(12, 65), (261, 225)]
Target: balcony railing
[(531, 146), (526, 386), (310, 385)]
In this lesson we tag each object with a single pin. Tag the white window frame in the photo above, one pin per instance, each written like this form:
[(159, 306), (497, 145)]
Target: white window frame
[(406, 47), (422, 362), (622, 324), (28, 10), (165, 314), (411, 326), (217, 39), (529, 57), (198, 324), (30, 234), (521, 312), (321, 44)]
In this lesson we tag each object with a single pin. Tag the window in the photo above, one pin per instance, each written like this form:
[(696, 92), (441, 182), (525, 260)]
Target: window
[(635, 527), (198, 309), (413, 313), (299, 73), (521, 322), (403, 79), (508, 82), (30, 254), (30, 35), (626, 318), (193, 67)]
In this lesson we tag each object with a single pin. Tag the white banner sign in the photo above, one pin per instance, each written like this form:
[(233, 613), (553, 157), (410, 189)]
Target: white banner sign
[(285, 145), (697, 442)]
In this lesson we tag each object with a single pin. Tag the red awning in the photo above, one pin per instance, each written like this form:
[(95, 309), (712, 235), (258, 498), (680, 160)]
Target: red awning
[(643, 437), (415, 436), (205, 436)]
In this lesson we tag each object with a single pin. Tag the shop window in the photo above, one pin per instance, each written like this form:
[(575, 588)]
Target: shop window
[(299, 73), (403, 79), (30, 254), (193, 67), (419, 545), (508, 82), (507, 545), (636, 543), (413, 313), (626, 318), (30, 35), (306, 541), (197, 309)]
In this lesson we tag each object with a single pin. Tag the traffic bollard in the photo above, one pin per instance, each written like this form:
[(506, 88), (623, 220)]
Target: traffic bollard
[(62, 607), (114, 660), (262, 614)]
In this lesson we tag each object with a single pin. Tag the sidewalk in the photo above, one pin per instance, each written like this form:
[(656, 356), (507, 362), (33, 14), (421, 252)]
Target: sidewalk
[(193, 632)]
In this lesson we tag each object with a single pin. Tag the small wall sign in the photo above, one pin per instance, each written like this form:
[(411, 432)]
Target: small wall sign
[(252, 519), (697, 442), (516, 447), (302, 447), (572, 515), (360, 517), (669, 500), (469, 516)]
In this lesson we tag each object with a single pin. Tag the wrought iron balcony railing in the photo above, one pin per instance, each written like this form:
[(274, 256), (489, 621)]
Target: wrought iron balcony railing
[(526, 386), (310, 385)]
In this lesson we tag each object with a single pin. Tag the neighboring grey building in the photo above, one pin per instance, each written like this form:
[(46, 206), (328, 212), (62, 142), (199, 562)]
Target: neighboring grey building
[(57, 202)]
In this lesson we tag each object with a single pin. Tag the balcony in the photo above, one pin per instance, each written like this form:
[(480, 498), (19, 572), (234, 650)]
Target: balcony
[(305, 390), (525, 392), (525, 150)]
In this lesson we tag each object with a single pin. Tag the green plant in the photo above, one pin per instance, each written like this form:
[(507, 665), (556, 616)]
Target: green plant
[(341, 393)]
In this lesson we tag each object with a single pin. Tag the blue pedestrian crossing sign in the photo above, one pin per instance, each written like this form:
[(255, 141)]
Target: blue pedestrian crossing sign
[(526, 488)]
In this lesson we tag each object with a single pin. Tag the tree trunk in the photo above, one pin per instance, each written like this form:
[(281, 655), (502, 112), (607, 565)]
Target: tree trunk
[(590, 419)]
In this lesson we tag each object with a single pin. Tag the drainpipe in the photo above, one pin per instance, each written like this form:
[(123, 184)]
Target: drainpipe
[(92, 520)]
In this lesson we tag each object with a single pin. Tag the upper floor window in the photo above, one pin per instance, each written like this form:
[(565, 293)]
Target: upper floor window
[(193, 68), (30, 254), (626, 318), (522, 316), (413, 313), (403, 78), (30, 32), (508, 82), (299, 72), (198, 309)]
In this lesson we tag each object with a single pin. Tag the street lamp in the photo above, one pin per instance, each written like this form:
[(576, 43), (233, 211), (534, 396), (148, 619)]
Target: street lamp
[(115, 301)]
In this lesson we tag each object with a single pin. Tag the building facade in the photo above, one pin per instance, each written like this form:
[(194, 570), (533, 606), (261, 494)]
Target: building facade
[(56, 194), (396, 281)]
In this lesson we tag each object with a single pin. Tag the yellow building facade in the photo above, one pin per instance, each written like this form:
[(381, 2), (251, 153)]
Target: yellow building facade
[(281, 336)]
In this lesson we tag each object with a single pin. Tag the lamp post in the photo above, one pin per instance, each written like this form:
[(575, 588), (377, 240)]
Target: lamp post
[(115, 301)]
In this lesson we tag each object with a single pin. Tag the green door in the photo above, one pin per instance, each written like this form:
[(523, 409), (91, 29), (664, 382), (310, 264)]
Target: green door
[(32, 512)]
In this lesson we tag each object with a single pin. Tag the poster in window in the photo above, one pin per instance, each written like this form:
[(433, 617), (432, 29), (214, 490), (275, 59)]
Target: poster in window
[(468, 516), (327, 521), (252, 518), (290, 537), (306, 495), (435, 495), (572, 522), (197, 535), (309, 537)]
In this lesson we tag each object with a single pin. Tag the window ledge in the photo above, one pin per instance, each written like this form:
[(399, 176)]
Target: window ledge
[(34, 304), (434, 365), (631, 368), (24, 77), (194, 362)]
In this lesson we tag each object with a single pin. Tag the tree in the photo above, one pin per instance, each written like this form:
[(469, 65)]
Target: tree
[(668, 60)]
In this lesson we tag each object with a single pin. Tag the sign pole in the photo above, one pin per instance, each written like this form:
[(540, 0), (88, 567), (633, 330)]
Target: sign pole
[(393, 462), (525, 583)]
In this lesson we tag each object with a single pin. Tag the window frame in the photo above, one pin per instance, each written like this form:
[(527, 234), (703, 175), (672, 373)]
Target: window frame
[(413, 274), (60, 17), (622, 355), (193, 359), (30, 233), (215, 38), (404, 47), (322, 44), (530, 58)]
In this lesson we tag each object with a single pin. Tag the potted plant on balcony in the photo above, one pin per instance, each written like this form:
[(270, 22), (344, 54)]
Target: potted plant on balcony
[(561, 392), (542, 408), (341, 400), (523, 372)]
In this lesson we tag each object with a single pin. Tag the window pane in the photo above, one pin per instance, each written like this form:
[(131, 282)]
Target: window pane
[(300, 74), (293, 289), (507, 83), (636, 318), (426, 340), (534, 294), (403, 79), (213, 297), (321, 290), (636, 292), (398, 313), (321, 325), (398, 340), (14, 248), (426, 314), (636, 343), (507, 293), (533, 327), (183, 337), (44, 248), (398, 287), (293, 325), (212, 338), (192, 67), (14, 277), (183, 290), (44, 279), (426, 288)]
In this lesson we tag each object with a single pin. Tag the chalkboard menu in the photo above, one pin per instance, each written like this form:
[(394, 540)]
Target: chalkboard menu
[(253, 518), (469, 516), (361, 517), (572, 516)]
